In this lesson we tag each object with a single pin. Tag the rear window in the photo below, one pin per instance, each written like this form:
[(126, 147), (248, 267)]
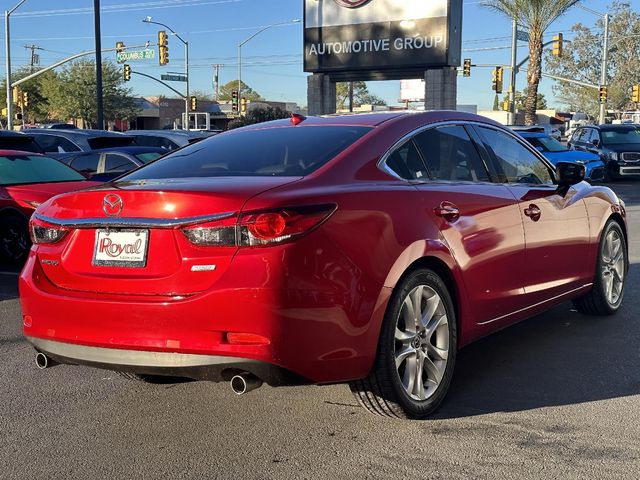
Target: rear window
[(21, 170), (98, 143), (281, 152), (25, 144)]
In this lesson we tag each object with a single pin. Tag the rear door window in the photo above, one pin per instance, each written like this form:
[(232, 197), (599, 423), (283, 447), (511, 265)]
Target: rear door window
[(56, 144), (87, 164), (283, 151), (21, 170), (518, 163), (117, 164), (451, 155), (405, 162)]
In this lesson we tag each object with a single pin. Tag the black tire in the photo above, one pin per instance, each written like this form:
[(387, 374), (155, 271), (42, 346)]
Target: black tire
[(595, 302), (14, 239), (154, 379), (382, 391)]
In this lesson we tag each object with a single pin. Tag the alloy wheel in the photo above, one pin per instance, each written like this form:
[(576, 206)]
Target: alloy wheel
[(421, 342), (613, 267)]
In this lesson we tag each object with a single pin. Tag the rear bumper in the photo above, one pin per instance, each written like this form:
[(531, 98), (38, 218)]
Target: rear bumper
[(198, 367), (316, 326)]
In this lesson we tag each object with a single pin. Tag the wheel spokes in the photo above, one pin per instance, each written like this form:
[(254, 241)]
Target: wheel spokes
[(422, 342)]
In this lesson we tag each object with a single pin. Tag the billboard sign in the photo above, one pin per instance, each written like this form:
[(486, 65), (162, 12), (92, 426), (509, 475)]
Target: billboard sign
[(375, 35)]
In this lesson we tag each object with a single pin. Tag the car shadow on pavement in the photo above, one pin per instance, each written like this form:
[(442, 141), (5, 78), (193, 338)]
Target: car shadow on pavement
[(558, 358)]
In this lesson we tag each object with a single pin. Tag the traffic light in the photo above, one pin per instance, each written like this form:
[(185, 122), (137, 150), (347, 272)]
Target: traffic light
[(126, 71), (498, 73), (244, 104), (163, 47), (119, 47), (466, 68), (603, 93), (506, 106), (558, 41), (25, 99), (635, 93), (194, 103), (234, 101), (17, 95)]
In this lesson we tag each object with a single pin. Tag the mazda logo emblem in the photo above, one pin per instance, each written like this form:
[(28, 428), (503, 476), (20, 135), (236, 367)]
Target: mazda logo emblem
[(112, 205), (351, 3)]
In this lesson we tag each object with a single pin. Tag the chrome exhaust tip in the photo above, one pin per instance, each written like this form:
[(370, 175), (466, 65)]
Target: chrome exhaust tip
[(42, 361), (244, 383)]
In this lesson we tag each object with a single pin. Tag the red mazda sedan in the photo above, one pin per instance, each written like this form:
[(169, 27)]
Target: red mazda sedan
[(364, 249)]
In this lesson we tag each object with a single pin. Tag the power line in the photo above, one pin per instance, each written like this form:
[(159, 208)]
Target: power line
[(123, 8)]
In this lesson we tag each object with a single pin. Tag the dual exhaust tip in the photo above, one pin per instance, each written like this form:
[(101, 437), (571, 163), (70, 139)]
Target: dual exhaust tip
[(42, 361), (240, 384), (244, 383)]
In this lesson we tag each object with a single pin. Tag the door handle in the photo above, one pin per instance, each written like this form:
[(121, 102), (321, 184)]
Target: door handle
[(533, 212), (448, 211)]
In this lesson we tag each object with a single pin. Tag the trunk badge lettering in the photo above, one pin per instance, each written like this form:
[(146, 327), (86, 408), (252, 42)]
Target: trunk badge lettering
[(50, 262), (112, 205), (203, 268)]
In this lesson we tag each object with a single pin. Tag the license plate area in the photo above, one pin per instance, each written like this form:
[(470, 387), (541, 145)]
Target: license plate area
[(126, 248)]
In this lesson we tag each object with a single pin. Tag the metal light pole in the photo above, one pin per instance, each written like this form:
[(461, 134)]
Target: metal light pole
[(7, 50), (98, 40), (605, 66), (604, 77), (240, 45), (185, 124), (514, 73)]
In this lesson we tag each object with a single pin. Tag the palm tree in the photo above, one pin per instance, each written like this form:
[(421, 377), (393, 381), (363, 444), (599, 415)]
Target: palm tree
[(537, 16)]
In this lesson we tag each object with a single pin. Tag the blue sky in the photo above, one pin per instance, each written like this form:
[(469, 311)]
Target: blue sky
[(272, 62)]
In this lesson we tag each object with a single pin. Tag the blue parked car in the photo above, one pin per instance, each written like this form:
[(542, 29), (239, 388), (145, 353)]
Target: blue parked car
[(556, 152)]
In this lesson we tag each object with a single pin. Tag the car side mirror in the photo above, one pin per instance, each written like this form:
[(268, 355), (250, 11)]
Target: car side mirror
[(595, 142), (568, 174)]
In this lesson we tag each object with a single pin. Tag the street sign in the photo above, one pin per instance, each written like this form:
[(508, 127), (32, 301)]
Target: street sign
[(173, 78), (522, 36), (133, 55)]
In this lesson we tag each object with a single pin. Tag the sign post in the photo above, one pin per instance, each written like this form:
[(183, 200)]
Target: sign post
[(351, 40)]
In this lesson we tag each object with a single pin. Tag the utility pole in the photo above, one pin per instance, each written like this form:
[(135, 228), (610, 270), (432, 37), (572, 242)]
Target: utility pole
[(605, 66), (99, 104), (35, 58), (7, 53), (216, 80), (514, 73)]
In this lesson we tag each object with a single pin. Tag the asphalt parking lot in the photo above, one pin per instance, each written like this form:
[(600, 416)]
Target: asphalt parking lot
[(557, 396)]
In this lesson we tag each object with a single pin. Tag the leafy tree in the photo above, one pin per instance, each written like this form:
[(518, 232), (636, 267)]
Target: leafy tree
[(37, 109), (201, 95), (259, 115), (521, 99), (582, 60), (536, 16), (361, 95), (246, 91), (73, 95)]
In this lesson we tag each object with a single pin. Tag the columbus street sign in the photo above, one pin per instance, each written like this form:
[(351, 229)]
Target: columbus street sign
[(133, 55)]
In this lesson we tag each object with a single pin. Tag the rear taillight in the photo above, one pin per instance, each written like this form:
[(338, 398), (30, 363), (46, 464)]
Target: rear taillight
[(45, 233), (260, 228)]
